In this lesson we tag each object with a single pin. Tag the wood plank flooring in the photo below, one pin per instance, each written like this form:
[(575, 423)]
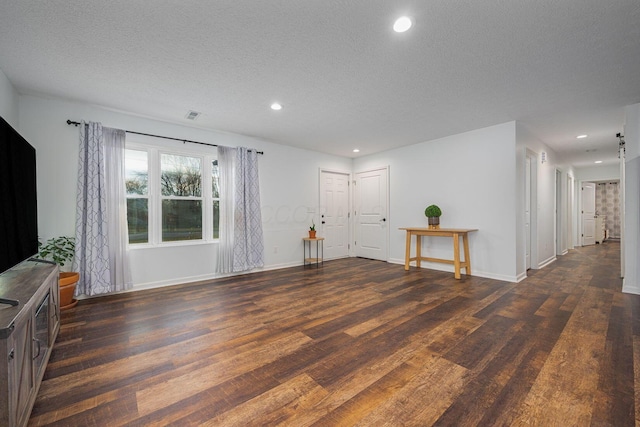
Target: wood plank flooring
[(356, 342)]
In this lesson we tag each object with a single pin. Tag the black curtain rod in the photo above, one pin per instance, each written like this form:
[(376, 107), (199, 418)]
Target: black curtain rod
[(76, 124)]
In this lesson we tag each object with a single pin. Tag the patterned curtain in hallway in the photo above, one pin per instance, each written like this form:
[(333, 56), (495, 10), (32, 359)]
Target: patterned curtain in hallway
[(608, 203)]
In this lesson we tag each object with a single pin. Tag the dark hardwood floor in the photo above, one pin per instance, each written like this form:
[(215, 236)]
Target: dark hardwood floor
[(356, 342)]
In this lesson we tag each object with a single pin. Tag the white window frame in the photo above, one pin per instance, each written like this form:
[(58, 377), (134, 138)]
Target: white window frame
[(155, 197)]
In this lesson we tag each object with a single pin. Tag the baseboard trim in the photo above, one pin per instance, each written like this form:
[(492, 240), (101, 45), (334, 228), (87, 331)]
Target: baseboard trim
[(546, 262), (205, 277), (449, 268), (630, 288)]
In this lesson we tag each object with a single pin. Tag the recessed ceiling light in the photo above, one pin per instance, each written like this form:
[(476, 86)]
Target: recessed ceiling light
[(355, 150), (402, 24), (276, 106), (598, 161), (581, 136)]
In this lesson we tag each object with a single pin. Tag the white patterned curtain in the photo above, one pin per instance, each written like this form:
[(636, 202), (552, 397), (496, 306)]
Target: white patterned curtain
[(226, 156), (101, 229), (241, 246), (117, 229)]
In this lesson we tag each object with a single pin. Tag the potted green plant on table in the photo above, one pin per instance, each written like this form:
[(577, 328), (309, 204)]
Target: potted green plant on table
[(62, 250), (433, 213), (312, 230)]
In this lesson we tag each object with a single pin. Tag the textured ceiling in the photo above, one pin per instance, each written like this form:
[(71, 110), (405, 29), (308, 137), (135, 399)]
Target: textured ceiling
[(346, 80)]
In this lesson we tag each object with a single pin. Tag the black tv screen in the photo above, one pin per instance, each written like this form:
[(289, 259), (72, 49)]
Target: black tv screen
[(18, 201)]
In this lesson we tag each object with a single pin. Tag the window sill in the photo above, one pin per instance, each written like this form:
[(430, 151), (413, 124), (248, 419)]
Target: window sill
[(182, 243)]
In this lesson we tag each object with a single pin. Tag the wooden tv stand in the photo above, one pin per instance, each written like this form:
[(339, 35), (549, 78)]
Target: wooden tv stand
[(28, 330)]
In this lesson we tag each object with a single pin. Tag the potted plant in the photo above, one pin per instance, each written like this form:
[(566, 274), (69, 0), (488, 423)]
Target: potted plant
[(61, 250), (312, 230), (433, 213)]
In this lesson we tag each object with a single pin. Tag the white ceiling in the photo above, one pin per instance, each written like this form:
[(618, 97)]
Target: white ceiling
[(346, 80)]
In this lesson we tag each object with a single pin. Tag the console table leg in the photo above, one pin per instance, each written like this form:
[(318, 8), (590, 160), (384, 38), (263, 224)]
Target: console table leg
[(407, 251), (467, 258), (456, 255)]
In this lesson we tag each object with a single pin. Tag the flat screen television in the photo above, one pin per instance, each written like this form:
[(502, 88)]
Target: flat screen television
[(18, 200)]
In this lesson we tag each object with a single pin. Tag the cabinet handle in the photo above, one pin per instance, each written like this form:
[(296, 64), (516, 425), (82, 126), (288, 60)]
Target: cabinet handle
[(39, 346)]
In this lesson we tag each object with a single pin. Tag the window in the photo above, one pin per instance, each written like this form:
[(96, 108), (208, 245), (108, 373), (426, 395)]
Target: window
[(215, 192), (137, 182), (165, 198), (181, 190)]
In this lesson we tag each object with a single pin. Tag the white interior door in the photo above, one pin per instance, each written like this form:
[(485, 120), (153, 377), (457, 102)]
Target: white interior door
[(527, 212), (370, 213), (588, 213), (334, 213)]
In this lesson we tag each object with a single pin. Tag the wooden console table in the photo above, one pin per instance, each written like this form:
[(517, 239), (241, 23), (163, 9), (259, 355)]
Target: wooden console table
[(454, 233)]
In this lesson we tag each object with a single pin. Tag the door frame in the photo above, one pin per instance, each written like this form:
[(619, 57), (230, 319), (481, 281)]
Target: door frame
[(560, 232), (556, 211), (623, 178), (349, 202), (388, 198), (569, 232), (532, 156)]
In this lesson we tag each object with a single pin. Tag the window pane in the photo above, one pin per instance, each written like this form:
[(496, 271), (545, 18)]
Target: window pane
[(181, 220), (215, 178), (216, 219), (136, 168), (138, 220), (180, 175)]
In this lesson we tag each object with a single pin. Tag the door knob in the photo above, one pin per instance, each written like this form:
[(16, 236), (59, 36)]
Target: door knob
[(383, 219)]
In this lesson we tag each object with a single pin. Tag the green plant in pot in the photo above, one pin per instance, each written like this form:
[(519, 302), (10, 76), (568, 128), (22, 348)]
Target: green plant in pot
[(62, 250), (433, 213), (312, 230)]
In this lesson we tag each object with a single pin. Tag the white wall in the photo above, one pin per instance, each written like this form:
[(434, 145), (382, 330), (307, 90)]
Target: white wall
[(288, 183), (545, 190), (598, 173), (471, 176), (631, 240), (8, 101)]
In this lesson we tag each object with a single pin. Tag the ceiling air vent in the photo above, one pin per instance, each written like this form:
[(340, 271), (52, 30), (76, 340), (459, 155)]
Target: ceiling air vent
[(192, 115)]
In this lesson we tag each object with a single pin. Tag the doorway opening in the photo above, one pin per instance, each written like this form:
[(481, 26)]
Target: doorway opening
[(608, 209)]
